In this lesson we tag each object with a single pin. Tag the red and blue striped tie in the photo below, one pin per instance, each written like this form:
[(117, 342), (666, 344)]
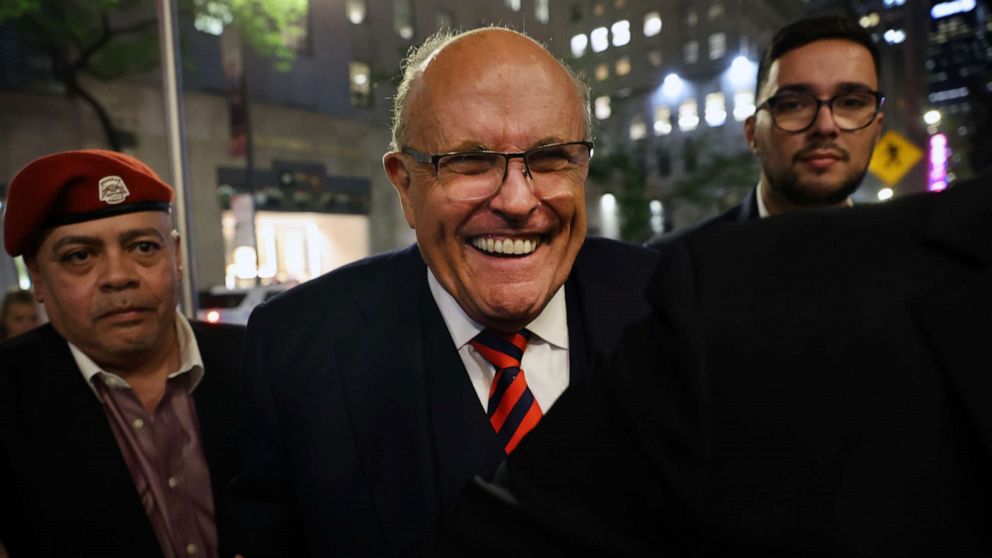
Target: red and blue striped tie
[(512, 409)]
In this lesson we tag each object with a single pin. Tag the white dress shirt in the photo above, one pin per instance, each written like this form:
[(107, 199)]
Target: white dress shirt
[(545, 361)]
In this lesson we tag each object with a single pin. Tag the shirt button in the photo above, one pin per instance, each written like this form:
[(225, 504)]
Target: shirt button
[(111, 382), (174, 482), (191, 549), (138, 423)]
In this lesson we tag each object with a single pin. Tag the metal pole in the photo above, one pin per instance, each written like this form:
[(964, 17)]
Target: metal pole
[(175, 123)]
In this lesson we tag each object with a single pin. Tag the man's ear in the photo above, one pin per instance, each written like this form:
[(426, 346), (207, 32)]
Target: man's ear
[(179, 254), (399, 176), (749, 133), (37, 282)]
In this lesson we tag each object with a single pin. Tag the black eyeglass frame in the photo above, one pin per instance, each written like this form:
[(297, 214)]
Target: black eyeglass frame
[(770, 101), (435, 160)]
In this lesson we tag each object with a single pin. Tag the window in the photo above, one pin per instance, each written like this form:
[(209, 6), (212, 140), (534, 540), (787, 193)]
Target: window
[(654, 58), (444, 20), (652, 24), (602, 107), (743, 105), (715, 111), (361, 84), (690, 52), (688, 116), (579, 44), (619, 4), (691, 17), (718, 45), (211, 17), (621, 32), (600, 39), (598, 9), (403, 18), (638, 129), (356, 11), (512, 4), (662, 121), (622, 66), (602, 71), (542, 12), (715, 10)]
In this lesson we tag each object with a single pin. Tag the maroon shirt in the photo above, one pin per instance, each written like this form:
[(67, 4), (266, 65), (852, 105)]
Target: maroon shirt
[(163, 451)]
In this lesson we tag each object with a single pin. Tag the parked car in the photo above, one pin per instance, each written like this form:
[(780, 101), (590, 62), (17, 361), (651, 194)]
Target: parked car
[(233, 306)]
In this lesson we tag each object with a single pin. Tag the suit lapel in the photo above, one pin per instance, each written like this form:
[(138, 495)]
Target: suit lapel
[(410, 402), (958, 318), (100, 473)]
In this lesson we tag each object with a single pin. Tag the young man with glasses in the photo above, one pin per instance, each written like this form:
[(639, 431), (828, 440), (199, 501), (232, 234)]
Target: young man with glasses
[(817, 120), (376, 392)]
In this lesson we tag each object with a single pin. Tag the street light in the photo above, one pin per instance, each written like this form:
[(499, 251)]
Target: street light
[(932, 117)]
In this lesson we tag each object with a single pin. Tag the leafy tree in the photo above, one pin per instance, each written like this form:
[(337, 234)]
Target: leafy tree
[(626, 172), (110, 39), (717, 182)]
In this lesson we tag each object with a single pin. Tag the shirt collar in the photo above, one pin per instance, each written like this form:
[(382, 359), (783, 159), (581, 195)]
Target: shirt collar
[(763, 211), (551, 324), (189, 360)]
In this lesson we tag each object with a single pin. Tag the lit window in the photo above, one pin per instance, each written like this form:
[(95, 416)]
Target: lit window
[(715, 10), (652, 24), (361, 84), (893, 3), (718, 45), (690, 52), (715, 112), (356, 11), (622, 66), (512, 4), (619, 4), (638, 129), (598, 9), (579, 44), (743, 105), (688, 116), (870, 20), (542, 11), (602, 71), (602, 107), (691, 17), (600, 39), (894, 36), (662, 121), (654, 58), (403, 18), (621, 32)]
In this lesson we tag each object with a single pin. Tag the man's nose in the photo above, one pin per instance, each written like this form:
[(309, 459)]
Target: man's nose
[(118, 271), (824, 124), (516, 198)]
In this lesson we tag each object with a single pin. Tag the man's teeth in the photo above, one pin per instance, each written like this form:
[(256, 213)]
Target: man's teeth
[(506, 245)]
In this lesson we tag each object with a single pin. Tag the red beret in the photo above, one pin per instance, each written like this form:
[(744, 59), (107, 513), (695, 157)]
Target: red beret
[(77, 186)]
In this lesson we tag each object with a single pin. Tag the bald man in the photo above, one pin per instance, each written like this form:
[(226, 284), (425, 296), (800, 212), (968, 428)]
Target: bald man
[(375, 392)]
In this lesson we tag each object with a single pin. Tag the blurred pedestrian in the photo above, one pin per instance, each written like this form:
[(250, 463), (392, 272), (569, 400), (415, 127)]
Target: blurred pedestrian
[(19, 314), (816, 123), (118, 418), (375, 392)]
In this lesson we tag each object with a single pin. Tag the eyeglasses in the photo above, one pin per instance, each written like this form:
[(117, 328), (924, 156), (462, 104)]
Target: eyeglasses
[(796, 112), (472, 175)]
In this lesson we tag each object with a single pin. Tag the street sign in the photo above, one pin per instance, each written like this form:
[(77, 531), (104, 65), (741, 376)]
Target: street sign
[(894, 155)]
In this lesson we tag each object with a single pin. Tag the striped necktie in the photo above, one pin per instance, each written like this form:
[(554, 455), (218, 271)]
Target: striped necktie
[(512, 409)]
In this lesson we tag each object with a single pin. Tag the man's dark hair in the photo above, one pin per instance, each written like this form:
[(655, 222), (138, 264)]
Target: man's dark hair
[(806, 31)]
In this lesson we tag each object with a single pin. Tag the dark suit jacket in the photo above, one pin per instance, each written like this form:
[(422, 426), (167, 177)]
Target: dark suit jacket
[(813, 384), (65, 489), (743, 212), (360, 417)]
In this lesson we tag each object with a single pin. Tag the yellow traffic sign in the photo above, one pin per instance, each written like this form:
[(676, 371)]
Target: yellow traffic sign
[(894, 155)]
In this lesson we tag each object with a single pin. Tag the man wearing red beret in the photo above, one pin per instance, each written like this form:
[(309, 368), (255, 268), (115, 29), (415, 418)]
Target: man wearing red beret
[(117, 419)]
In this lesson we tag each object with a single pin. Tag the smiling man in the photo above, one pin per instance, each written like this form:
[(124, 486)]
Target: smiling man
[(375, 392), (117, 419), (817, 120)]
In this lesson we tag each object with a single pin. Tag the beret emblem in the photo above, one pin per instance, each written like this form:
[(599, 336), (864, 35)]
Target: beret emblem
[(113, 190)]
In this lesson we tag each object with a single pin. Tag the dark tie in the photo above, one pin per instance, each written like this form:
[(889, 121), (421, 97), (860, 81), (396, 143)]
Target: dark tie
[(512, 409)]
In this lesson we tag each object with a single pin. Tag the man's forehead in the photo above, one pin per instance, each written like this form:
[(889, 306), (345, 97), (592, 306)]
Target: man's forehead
[(803, 67)]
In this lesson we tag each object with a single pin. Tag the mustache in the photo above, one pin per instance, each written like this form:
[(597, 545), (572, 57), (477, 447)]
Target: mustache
[(115, 304), (833, 148)]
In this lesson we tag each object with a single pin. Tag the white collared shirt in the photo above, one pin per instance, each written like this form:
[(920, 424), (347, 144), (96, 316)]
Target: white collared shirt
[(190, 361), (763, 210), (545, 361)]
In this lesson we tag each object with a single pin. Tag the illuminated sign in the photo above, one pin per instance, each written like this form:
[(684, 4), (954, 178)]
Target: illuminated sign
[(937, 178), (945, 9)]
